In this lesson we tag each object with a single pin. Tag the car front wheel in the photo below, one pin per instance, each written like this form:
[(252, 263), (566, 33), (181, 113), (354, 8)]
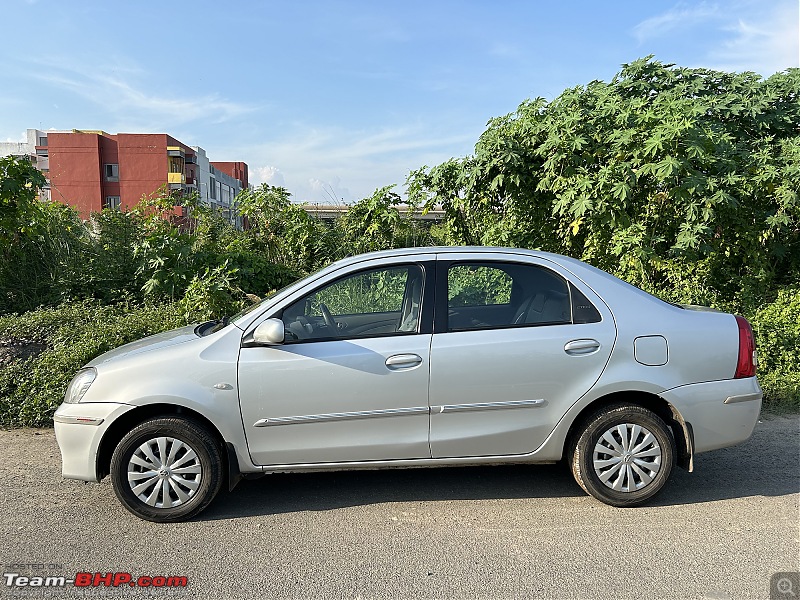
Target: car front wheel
[(623, 455), (167, 469)]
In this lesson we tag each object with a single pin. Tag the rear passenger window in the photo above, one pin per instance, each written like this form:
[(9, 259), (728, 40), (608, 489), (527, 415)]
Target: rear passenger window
[(474, 285), (495, 295)]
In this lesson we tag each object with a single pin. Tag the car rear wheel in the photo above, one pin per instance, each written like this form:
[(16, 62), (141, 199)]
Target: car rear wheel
[(623, 455), (167, 469)]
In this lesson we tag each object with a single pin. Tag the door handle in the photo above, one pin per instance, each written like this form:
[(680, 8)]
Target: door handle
[(403, 361), (580, 347)]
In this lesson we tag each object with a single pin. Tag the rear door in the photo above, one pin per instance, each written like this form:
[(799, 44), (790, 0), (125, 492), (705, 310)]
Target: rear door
[(515, 344)]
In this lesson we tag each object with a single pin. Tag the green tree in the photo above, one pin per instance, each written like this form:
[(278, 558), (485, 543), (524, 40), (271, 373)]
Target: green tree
[(377, 223), (42, 244), (682, 181), (284, 231), (20, 183)]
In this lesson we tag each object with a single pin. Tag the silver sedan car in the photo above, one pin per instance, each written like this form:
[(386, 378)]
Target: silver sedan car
[(417, 357)]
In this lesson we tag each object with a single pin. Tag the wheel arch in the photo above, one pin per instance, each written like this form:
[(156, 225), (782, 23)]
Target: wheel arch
[(121, 426), (681, 430)]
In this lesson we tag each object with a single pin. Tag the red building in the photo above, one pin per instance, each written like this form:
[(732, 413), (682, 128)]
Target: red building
[(237, 170), (92, 170)]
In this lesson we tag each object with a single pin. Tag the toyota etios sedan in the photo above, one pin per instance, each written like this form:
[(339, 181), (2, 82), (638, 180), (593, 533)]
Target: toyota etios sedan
[(417, 357)]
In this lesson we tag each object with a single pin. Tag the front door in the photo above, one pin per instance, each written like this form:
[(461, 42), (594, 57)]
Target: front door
[(351, 381)]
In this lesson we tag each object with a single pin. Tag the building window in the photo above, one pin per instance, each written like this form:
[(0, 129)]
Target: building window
[(212, 189), (175, 164), (112, 172), (112, 202), (43, 140)]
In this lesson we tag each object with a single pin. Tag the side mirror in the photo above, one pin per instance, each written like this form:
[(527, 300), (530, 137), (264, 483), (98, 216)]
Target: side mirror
[(269, 332)]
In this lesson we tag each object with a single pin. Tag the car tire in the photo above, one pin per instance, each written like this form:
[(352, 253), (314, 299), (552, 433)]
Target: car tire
[(623, 455), (167, 469)]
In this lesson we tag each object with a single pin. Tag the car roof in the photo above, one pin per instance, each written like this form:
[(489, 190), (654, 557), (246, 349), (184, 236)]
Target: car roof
[(572, 264), (420, 250)]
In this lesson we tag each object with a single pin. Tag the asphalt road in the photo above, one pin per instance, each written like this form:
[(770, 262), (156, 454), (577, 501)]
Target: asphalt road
[(489, 532)]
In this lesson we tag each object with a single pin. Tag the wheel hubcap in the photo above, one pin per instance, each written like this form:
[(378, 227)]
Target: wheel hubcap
[(627, 457), (164, 472)]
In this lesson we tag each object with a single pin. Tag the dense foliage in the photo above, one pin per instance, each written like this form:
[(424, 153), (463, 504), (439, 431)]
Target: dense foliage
[(137, 256), (71, 290), (65, 338), (777, 329), (682, 181)]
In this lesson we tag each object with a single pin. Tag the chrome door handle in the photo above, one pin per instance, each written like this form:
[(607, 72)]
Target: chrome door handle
[(403, 361), (579, 347)]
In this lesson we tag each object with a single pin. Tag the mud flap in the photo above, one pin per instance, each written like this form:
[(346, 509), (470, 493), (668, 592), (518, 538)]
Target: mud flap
[(684, 441), (234, 474)]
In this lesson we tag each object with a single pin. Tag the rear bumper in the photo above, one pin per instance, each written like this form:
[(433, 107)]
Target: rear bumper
[(721, 413), (79, 429)]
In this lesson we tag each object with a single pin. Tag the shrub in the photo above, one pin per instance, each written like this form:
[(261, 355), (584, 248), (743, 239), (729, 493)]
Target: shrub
[(212, 295), (64, 338), (777, 329), (44, 260)]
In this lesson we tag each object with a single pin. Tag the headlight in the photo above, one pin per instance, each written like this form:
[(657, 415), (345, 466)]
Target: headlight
[(79, 384)]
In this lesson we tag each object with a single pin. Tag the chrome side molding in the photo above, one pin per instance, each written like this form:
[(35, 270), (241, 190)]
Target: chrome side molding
[(743, 398), (396, 412), (451, 408), (77, 420), (345, 416)]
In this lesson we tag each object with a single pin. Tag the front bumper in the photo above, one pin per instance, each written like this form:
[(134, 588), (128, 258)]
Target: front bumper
[(79, 429), (721, 413)]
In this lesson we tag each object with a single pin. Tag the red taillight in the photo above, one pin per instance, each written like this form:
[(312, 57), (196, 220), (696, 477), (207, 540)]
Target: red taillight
[(746, 365)]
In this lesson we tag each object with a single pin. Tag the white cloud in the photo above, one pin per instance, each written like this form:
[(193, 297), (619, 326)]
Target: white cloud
[(132, 103), (679, 16), (325, 166), (268, 174), (743, 35), (765, 44)]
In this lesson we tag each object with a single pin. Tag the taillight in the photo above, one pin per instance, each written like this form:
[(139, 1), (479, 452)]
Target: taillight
[(746, 365)]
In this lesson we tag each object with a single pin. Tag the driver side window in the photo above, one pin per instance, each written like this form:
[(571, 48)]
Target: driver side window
[(376, 302)]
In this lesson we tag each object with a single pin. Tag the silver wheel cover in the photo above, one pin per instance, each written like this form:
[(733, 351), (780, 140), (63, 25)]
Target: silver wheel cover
[(627, 457), (164, 472)]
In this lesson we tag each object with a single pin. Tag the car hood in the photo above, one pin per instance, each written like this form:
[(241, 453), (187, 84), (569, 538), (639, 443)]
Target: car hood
[(154, 342)]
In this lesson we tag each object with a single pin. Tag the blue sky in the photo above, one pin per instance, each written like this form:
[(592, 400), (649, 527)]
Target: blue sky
[(336, 98)]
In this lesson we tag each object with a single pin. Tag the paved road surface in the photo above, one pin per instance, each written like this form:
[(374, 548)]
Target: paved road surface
[(489, 532)]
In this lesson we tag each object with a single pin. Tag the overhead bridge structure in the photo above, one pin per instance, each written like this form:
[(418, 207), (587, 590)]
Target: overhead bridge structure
[(330, 212)]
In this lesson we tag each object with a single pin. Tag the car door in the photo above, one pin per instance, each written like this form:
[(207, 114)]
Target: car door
[(350, 383), (515, 344)]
